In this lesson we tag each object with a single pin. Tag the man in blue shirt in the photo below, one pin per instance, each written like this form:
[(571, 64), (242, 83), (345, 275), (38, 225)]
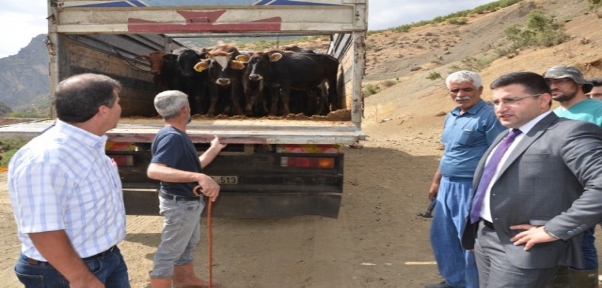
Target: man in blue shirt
[(176, 164), (569, 88), (468, 131)]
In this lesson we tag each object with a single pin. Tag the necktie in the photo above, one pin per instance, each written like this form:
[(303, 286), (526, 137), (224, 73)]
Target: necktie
[(488, 173)]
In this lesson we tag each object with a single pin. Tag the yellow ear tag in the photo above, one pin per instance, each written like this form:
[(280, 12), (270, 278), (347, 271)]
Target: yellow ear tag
[(198, 67)]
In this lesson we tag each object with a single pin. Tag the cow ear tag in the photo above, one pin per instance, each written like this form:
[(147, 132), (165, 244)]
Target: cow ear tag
[(198, 67)]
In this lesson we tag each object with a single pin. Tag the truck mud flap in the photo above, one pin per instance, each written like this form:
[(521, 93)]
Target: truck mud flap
[(247, 205)]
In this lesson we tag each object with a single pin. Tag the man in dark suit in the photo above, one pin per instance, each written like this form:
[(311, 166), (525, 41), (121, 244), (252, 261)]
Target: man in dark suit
[(535, 194)]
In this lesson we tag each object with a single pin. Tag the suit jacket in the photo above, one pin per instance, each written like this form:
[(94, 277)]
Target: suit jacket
[(553, 177)]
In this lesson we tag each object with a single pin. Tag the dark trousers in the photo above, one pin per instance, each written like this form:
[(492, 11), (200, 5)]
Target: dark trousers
[(109, 267), (495, 271)]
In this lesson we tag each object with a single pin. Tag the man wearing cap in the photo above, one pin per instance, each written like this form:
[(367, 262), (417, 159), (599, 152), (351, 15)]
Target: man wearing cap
[(596, 92), (569, 88)]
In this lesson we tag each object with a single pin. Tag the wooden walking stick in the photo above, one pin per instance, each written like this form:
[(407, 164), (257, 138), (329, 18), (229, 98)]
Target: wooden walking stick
[(197, 191), (210, 242)]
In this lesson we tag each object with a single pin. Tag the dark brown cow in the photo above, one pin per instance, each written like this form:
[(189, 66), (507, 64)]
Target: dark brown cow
[(224, 76), (190, 81), (163, 67), (285, 71), (254, 83), (296, 48)]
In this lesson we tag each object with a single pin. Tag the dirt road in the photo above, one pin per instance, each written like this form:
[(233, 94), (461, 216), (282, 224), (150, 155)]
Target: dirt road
[(376, 233), (377, 241)]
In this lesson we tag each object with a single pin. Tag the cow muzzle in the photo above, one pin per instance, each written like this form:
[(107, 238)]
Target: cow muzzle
[(223, 81), (255, 77)]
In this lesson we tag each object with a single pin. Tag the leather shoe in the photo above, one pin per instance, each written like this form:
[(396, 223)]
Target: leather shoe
[(439, 285)]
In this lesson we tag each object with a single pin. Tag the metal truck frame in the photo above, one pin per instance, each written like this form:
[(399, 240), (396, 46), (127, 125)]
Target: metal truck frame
[(271, 168)]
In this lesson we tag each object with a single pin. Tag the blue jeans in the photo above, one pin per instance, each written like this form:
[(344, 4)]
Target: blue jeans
[(588, 247), (456, 265), (110, 269), (180, 236)]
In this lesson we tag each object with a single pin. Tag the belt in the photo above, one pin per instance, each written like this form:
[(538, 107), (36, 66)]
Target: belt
[(488, 224), (43, 263), (178, 198)]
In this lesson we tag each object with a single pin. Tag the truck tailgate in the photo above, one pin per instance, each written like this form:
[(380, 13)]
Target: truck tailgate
[(235, 131)]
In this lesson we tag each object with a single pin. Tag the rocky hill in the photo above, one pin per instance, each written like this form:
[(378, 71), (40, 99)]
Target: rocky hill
[(24, 76), (401, 64)]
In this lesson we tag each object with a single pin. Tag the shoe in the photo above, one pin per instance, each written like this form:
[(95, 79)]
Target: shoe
[(439, 285), (184, 277), (160, 282)]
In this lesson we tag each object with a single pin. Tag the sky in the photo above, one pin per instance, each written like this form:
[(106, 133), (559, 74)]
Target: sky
[(22, 20)]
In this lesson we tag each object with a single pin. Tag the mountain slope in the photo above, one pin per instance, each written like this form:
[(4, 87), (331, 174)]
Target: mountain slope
[(415, 100), (24, 76)]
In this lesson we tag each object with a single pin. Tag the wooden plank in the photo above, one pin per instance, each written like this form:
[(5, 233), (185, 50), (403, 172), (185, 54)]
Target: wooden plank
[(138, 89), (232, 131), (198, 19)]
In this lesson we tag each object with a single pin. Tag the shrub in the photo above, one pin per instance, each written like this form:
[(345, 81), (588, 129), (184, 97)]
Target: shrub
[(403, 28), (457, 20), (434, 76), (26, 115), (389, 83), (8, 148), (539, 30), (370, 89), (458, 15)]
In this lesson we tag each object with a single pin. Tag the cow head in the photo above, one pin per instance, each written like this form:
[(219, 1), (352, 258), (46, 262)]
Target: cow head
[(187, 60), (155, 59), (258, 65), (220, 66)]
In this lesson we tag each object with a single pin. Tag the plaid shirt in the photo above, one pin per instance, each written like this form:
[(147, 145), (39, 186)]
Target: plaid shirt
[(63, 180)]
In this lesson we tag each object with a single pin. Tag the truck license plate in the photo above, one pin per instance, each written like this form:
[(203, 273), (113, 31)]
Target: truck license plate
[(225, 180)]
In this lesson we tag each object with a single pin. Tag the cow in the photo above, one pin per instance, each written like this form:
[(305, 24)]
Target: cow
[(285, 71), (296, 48), (224, 74), (254, 82), (190, 81), (163, 67)]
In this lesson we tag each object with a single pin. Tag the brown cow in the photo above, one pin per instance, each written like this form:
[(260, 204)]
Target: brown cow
[(163, 67), (224, 76)]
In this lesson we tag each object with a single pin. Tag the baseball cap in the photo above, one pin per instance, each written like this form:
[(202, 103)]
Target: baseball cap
[(564, 71)]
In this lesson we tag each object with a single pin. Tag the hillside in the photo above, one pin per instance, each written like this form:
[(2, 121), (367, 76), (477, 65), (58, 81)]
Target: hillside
[(415, 101), (24, 76)]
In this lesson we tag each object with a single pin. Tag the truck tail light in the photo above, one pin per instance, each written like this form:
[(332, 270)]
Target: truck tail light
[(307, 162), (123, 160)]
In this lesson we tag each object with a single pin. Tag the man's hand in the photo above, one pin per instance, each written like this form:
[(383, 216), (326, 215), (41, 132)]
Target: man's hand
[(216, 143), (433, 191), (56, 247), (209, 187), (531, 236)]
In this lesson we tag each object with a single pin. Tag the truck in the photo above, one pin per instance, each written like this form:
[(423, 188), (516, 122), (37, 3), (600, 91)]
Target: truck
[(272, 167)]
